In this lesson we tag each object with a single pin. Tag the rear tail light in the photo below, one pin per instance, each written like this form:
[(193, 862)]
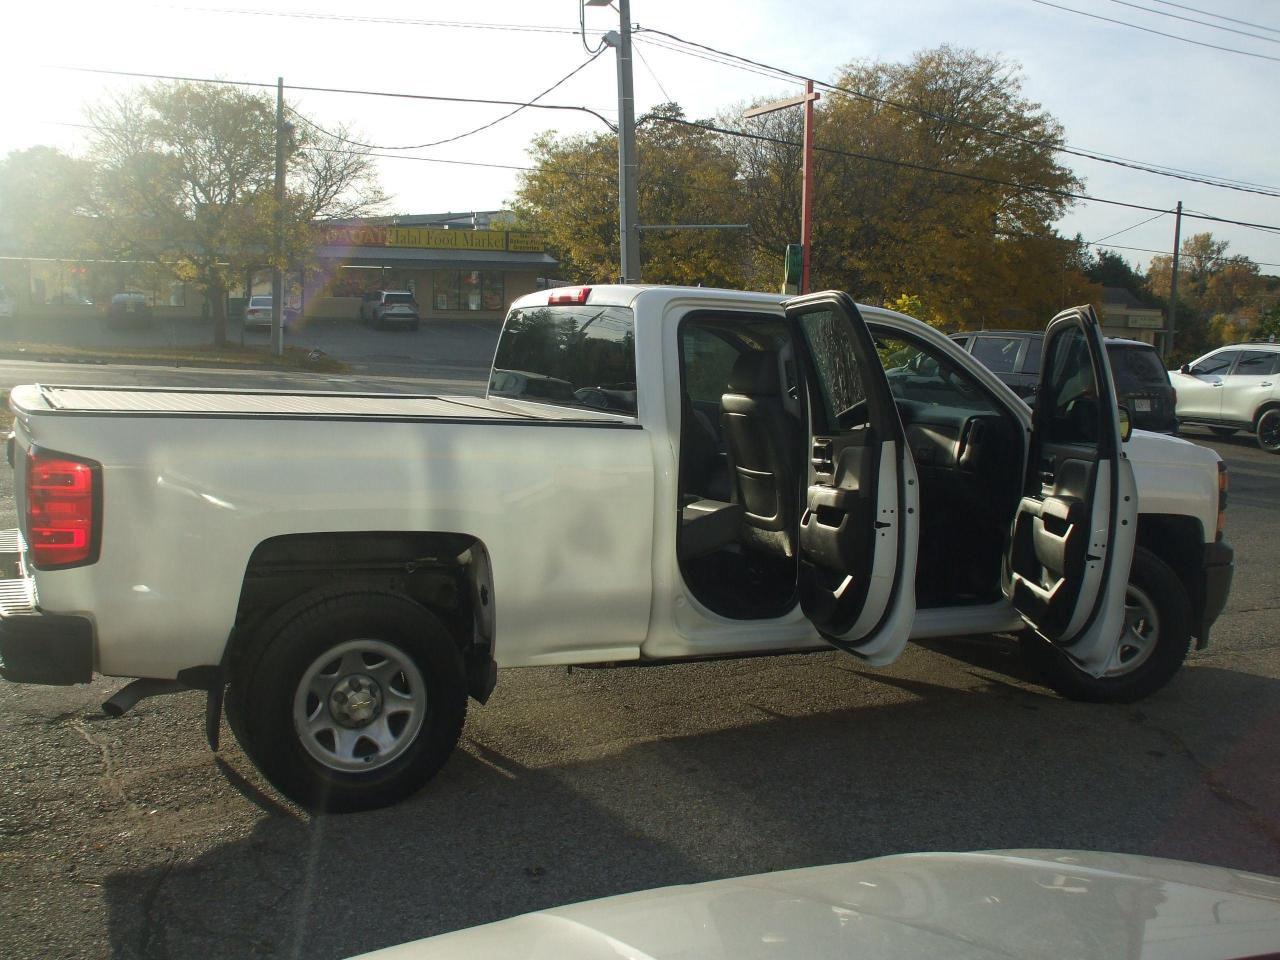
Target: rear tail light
[(1224, 485), (570, 295), (64, 510)]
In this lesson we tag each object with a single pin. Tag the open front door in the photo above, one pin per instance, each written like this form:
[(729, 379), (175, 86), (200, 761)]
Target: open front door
[(860, 513), (1073, 536)]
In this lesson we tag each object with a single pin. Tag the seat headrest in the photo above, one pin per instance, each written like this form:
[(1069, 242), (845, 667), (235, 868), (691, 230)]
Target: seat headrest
[(755, 373)]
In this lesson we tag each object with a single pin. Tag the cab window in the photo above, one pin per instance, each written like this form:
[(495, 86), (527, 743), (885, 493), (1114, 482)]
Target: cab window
[(997, 354), (1255, 363)]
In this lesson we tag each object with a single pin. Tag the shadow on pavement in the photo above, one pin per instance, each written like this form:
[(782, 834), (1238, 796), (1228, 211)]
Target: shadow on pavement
[(994, 766)]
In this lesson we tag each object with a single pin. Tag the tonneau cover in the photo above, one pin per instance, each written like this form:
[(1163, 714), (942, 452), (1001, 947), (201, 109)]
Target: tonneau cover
[(128, 400)]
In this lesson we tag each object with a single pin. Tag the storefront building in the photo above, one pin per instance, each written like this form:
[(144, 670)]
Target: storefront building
[(461, 267), (458, 274)]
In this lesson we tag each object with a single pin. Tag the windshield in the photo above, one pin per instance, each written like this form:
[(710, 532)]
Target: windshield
[(393, 298), (1134, 366), (260, 301), (575, 356)]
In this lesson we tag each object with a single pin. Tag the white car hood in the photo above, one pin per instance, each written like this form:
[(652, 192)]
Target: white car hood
[(1053, 904), (1144, 446)]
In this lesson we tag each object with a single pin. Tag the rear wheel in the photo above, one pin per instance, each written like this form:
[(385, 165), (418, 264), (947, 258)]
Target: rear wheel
[(1153, 645), (1223, 431), (1269, 430), (351, 701)]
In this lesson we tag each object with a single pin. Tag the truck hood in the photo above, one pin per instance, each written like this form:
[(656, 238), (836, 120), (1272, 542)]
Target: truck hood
[(936, 905), (1159, 448)]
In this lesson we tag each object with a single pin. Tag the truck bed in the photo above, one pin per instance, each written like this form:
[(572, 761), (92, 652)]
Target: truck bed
[(40, 399)]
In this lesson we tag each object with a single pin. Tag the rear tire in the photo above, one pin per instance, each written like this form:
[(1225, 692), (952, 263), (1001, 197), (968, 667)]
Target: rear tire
[(1223, 431), (1157, 624), (350, 701), (1268, 430)]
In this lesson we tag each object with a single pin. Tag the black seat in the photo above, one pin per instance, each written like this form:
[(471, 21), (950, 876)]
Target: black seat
[(763, 446)]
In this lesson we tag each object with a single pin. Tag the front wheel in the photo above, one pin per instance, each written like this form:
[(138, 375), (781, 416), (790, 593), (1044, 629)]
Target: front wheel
[(1269, 430), (351, 701), (1153, 646)]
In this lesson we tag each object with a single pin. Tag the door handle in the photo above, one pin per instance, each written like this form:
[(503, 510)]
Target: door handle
[(1048, 470), (1266, 383)]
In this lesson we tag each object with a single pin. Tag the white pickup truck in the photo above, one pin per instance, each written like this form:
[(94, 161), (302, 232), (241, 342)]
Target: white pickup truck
[(656, 474)]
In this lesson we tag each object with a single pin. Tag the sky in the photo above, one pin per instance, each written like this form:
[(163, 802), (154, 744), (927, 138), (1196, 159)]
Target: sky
[(1116, 90)]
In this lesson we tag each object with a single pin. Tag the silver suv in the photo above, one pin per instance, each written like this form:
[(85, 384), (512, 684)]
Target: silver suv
[(1234, 388)]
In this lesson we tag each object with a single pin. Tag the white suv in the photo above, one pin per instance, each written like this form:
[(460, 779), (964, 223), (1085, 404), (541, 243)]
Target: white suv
[(1234, 388)]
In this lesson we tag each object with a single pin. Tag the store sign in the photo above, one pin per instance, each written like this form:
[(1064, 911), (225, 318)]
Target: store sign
[(432, 238), (1137, 320)]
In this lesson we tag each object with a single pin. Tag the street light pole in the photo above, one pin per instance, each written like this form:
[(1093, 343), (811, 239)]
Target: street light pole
[(277, 275), (806, 169), (1173, 282), (628, 237)]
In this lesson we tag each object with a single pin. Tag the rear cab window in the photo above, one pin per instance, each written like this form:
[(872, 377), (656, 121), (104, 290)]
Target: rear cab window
[(398, 298), (1257, 363), (575, 356), (1136, 367), (997, 354)]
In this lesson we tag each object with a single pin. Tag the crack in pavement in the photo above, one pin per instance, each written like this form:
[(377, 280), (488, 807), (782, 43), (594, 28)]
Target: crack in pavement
[(1256, 817), (110, 777)]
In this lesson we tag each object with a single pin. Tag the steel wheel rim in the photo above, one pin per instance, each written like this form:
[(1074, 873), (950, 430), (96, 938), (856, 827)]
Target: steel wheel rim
[(1269, 430), (1141, 633), (359, 705)]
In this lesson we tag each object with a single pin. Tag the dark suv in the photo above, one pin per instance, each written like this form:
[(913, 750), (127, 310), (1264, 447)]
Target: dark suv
[(1142, 383)]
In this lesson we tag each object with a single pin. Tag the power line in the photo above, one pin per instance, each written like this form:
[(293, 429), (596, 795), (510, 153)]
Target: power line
[(437, 143), (715, 55), (1047, 191), (644, 60), (1134, 227), (398, 21), (1218, 16), (1159, 33), (1202, 23), (342, 90)]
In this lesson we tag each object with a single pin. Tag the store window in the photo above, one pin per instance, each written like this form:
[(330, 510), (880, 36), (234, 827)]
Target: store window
[(467, 290)]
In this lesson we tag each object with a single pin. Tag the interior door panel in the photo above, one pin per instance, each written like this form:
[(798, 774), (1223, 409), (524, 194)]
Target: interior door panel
[(859, 523), (1072, 540)]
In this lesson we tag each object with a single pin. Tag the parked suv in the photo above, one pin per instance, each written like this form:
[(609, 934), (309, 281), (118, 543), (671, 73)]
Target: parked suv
[(384, 307), (1234, 388), (1142, 383)]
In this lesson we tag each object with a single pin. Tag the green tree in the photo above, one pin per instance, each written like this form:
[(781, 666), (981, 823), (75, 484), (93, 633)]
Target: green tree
[(686, 176), (184, 178), (44, 195)]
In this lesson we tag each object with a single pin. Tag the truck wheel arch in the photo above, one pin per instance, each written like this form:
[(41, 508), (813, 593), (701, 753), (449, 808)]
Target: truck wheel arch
[(450, 574), (1178, 540)]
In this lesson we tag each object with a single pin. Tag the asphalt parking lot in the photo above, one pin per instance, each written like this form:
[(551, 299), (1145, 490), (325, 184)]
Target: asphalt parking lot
[(127, 838)]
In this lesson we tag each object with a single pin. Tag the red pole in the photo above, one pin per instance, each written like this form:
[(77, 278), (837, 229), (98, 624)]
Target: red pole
[(806, 186)]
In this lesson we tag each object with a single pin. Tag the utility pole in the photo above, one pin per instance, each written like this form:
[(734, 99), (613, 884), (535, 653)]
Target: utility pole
[(1173, 282), (806, 170), (628, 237), (277, 275)]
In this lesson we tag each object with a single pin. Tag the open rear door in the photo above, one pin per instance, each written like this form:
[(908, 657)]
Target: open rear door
[(860, 516), (1073, 536)]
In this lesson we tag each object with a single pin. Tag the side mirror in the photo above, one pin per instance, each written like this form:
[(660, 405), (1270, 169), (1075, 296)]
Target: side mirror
[(1126, 424), (1185, 368)]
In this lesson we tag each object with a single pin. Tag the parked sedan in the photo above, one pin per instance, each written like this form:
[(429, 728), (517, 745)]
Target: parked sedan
[(258, 313)]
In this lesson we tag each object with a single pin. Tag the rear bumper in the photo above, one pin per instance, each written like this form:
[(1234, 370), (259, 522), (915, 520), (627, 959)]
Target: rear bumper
[(43, 648), (37, 647), (1219, 568)]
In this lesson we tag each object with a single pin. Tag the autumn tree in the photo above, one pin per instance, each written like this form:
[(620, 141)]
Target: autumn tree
[(973, 241), (184, 178), (1218, 295), (687, 175)]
